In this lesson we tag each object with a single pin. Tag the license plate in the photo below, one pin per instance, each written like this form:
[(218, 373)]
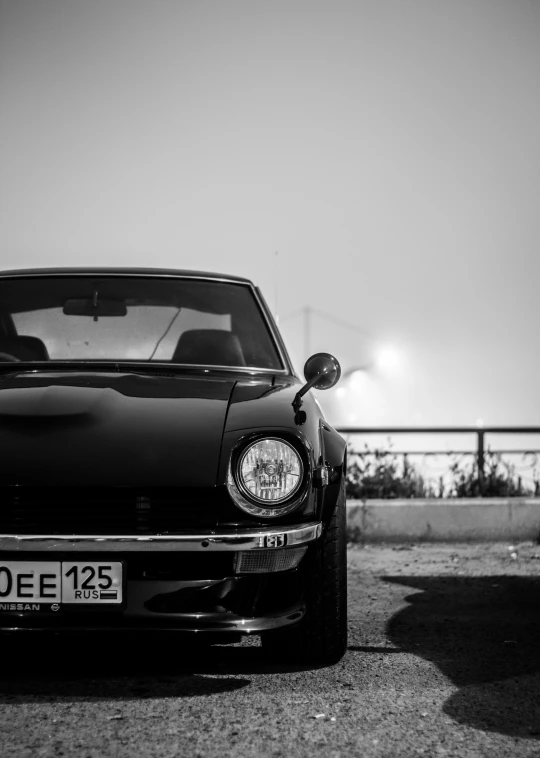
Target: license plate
[(75, 582)]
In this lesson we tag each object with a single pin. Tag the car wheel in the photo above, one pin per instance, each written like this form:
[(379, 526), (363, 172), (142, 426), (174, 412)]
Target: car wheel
[(321, 636)]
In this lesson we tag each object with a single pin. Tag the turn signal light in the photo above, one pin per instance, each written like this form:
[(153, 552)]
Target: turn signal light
[(268, 561)]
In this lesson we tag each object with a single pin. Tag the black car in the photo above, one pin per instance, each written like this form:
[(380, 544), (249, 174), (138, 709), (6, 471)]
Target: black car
[(163, 466)]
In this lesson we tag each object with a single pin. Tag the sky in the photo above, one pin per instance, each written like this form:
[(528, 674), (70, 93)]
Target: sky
[(375, 160)]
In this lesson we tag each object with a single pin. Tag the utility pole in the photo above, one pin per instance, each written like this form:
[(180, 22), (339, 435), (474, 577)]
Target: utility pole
[(308, 312), (307, 330), (276, 281)]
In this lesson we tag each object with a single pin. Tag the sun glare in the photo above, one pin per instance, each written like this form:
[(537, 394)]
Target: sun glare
[(388, 358)]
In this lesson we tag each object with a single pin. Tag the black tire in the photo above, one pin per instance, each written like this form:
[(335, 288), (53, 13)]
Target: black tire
[(321, 636)]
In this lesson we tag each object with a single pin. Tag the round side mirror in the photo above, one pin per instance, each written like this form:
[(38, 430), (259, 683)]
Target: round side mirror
[(323, 370)]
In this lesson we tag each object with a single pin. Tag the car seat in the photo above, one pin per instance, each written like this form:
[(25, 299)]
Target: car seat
[(214, 347), (24, 348)]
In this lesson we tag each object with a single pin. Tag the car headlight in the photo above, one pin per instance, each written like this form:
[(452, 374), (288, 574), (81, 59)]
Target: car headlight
[(267, 475)]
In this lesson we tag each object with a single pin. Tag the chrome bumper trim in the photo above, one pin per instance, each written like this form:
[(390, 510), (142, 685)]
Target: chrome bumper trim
[(263, 538)]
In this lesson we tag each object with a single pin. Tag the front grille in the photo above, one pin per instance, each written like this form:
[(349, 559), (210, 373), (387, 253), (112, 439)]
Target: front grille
[(178, 565), (122, 511)]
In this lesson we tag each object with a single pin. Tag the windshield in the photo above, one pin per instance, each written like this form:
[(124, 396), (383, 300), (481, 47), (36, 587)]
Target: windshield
[(122, 318)]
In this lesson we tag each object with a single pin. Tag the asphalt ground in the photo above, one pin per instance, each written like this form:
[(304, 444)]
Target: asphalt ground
[(443, 660)]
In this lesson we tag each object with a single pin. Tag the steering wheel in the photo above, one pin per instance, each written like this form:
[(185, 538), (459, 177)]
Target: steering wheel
[(8, 357)]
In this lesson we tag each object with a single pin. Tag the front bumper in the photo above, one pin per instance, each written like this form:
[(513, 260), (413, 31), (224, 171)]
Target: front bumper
[(190, 582), (266, 538)]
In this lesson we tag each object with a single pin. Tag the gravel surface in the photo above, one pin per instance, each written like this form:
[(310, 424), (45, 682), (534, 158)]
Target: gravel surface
[(443, 661)]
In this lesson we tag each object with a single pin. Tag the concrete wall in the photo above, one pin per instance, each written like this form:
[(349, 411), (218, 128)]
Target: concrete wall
[(497, 519)]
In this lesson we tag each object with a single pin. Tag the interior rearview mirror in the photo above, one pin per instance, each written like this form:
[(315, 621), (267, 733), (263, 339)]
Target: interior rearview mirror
[(97, 307)]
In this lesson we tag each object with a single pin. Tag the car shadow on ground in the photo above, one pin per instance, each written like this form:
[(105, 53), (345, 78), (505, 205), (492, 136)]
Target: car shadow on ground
[(105, 666), (484, 635)]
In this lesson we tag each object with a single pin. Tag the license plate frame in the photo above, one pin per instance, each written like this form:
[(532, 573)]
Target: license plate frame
[(69, 584)]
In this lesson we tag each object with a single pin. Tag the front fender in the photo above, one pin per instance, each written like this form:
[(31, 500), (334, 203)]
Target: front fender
[(334, 459)]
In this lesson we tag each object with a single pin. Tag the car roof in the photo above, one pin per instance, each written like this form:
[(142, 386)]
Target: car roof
[(125, 271)]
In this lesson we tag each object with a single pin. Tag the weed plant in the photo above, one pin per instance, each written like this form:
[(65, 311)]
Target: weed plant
[(382, 473)]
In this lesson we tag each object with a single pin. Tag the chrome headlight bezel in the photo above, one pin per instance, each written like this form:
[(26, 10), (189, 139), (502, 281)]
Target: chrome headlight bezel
[(259, 507)]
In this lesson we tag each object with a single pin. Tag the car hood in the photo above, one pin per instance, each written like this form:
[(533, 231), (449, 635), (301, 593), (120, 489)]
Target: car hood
[(97, 429)]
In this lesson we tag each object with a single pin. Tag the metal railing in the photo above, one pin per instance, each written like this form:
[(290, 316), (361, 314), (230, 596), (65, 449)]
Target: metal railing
[(480, 454)]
